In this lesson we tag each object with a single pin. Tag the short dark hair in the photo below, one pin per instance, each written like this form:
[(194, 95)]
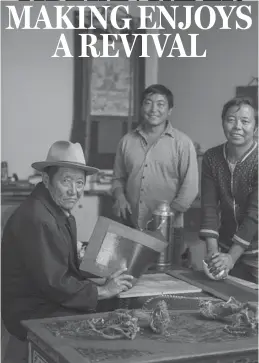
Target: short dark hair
[(159, 89), (238, 101)]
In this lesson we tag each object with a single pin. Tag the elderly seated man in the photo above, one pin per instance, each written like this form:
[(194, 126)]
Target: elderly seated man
[(40, 266)]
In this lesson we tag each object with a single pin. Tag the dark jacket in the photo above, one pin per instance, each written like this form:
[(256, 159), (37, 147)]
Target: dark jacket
[(230, 200), (40, 273)]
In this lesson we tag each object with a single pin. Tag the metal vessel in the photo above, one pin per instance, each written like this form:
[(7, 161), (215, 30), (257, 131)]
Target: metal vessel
[(162, 220)]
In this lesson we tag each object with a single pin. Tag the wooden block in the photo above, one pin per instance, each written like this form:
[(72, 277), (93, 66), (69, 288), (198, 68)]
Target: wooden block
[(113, 245), (222, 289), (250, 284), (191, 339), (158, 284)]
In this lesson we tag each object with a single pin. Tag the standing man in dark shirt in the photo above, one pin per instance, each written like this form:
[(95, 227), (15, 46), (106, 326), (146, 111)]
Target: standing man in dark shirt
[(229, 195)]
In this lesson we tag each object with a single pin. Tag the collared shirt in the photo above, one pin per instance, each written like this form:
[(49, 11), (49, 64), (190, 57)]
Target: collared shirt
[(166, 171)]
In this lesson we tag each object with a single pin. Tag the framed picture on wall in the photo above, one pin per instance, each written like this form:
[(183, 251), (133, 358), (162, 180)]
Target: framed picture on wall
[(111, 85)]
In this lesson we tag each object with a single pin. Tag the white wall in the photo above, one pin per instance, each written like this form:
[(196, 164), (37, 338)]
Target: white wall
[(37, 90), (201, 86), (37, 93)]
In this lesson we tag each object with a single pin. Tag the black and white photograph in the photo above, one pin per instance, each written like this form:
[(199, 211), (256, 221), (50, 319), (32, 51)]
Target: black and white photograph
[(129, 181)]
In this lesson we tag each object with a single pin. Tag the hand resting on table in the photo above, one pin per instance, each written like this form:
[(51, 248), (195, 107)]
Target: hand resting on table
[(218, 265), (115, 284)]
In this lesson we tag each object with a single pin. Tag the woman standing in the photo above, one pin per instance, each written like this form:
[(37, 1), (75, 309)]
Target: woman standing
[(229, 195)]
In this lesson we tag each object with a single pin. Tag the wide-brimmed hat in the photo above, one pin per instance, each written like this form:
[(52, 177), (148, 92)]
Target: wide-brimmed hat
[(66, 154)]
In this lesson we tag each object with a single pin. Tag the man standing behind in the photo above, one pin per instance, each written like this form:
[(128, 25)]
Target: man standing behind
[(154, 163)]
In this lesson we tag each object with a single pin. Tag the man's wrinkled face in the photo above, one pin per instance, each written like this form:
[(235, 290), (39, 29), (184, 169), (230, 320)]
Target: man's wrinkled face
[(155, 109), (66, 187), (239, 125)]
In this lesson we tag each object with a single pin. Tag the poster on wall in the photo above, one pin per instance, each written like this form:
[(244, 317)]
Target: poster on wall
[(110, 85)]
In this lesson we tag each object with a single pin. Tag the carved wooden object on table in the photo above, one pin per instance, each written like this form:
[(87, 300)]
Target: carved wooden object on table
[(113, 245), (158, 284), (184, 342), (222, 289)]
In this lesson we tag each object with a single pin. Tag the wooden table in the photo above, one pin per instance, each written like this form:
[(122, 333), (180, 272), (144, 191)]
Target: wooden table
[(192, 339), (201, 346)]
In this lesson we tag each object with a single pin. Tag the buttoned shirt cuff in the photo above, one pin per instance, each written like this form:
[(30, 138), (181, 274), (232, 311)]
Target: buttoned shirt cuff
[(240, 241), (206, 233)]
